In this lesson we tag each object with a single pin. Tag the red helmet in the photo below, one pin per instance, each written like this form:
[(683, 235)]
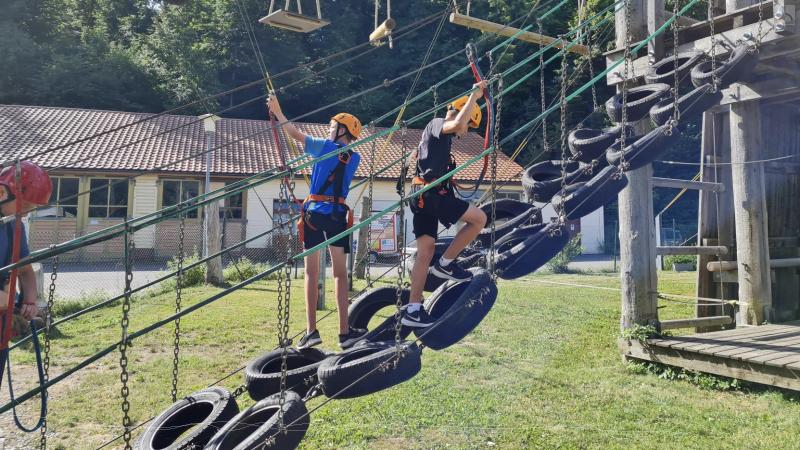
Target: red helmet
[(36, 186)]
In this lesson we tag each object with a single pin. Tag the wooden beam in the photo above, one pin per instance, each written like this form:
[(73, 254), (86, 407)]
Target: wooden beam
[(727, 266), (750, 207), (383, 30), (683, 21), (502, 30), (710, 321), (692, 250), (778, 87), (687, 184), (655, 18)]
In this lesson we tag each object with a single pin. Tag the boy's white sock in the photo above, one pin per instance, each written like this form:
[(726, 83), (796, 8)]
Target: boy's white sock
[(444, 261), (413, 307)]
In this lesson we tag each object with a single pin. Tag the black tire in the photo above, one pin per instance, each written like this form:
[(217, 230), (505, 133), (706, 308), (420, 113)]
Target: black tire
[(368, 368), (532, 253), (640, 100), (590, 144), (516, 212), (542, 180), (690, 105), (737, 67), (364, 308), (254, 427), (644, 150), (472, 261), (581, 199), (263, 375), (518, 235), (664, 71), (458, 309), (205, 412)]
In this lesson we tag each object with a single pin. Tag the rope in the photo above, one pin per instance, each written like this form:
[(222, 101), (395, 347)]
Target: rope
[(42, 380)]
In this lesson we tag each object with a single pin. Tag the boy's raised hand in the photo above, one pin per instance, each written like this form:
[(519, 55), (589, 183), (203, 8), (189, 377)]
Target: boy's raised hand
[(273, 105), (480, 87)]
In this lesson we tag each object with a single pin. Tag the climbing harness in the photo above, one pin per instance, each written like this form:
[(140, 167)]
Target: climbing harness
[(335, 180)]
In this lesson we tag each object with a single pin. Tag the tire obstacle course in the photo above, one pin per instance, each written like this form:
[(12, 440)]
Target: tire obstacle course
[(282, 380)]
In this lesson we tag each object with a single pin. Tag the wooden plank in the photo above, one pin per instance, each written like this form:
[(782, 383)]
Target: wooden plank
[(771, 351), (761, 346), (698, 322), (777, 87), (687, 184), (752, 245), (769, 375), (710, 345), (655, 18), (502, 30), (773, 264), (692, 250)]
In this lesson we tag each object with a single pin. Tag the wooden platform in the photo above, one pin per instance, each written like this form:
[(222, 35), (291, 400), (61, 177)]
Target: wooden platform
[(767, 354)]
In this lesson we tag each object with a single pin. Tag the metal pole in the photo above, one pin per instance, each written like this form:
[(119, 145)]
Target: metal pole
[(209, 151), (323, 268)]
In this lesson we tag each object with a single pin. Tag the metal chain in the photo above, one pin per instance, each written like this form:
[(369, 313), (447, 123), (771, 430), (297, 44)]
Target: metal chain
[(178, 292), (589, 39), (542, 96), (368, 264), (401, 266), (496, 144), (713, 37), (622, 164), (563, 104), (676, 114), (48, 324), (760, 25), (435, 92), (284, 297), (124, 340)]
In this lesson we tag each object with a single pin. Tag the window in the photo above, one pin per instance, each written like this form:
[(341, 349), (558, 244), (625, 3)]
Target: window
[(511, 195), (64, 198), (233, 207), (283, 211), (176, 191), (108, 197)]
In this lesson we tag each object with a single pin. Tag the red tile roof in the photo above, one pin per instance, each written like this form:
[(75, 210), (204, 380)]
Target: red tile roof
[(245, 146)]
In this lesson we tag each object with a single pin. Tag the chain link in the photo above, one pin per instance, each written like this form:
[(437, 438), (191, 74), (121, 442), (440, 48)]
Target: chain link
[(496, 144), (759, 35), (435, 92), (125, 341), (48, 323), (401, 266), (542, 96), (622, 164), (178, 292), (284, 297), (713, 37), (676, 114), (589, 44), (368, 263), (563, 103)]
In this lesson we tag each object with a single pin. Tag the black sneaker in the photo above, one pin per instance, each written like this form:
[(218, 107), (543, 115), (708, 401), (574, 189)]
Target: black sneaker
[(348, 340), (417, 319), (450, 272), (309, 340)]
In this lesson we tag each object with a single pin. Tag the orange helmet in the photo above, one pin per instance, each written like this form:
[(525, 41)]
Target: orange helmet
[(35, 185), (350, 122), (477, 115)]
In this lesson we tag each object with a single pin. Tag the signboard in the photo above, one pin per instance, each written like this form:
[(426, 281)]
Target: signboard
[(383, 234)]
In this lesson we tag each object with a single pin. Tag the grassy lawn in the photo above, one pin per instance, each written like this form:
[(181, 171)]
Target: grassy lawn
[(542, 371)]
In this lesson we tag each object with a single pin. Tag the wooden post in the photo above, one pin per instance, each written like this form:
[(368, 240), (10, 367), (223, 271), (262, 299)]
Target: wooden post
[(655, 18), (214, 265), (636, 227), (752, 244), (362, 250)]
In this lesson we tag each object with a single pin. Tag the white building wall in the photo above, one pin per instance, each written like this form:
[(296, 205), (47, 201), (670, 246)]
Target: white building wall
[(145, 201), (592, 229)]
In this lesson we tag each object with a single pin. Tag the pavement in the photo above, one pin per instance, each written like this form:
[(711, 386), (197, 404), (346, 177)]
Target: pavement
[(593, 263)]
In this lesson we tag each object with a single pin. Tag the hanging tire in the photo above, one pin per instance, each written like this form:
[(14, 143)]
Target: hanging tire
[(532, 253), (364, 308), (516, 212), (589, 144), (581, 199), (640, 100), (263, 374), (516, 236), (737, 67), (258, 427), (202, 414), (542, 181), (458, 309), (369, 368), (664, 71), (690, 105), (472, 261), (644, 150)]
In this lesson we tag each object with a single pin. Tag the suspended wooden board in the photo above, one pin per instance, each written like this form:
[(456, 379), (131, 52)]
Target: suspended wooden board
[(293, 21), (527, 36)]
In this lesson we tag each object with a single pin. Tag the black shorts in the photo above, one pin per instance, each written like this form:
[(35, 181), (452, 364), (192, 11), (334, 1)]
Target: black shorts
[(437, 208), (319, 227)]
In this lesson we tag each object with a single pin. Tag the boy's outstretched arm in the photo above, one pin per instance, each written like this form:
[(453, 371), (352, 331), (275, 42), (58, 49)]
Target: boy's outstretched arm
[(275, 108), (459, 124)]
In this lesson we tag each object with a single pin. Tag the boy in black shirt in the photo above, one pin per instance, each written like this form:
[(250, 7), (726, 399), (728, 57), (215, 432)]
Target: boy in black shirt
[(440, 204)]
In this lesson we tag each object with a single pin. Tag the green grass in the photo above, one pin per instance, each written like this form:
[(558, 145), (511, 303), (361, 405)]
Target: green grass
[(541, 371)]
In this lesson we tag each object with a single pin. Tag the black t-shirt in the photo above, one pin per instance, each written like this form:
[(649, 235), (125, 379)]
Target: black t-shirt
[(433, 154)]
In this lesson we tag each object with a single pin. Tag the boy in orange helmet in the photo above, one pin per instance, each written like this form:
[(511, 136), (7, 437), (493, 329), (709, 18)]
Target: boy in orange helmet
[(325, 214), (440, 205)]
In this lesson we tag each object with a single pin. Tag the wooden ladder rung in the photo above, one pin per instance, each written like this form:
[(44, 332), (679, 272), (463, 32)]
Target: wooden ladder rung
[(696, 322), (688, 184), (692, 250)]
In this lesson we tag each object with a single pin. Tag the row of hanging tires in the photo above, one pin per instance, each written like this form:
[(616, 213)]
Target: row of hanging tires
[(595, 174), (211, 419)]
